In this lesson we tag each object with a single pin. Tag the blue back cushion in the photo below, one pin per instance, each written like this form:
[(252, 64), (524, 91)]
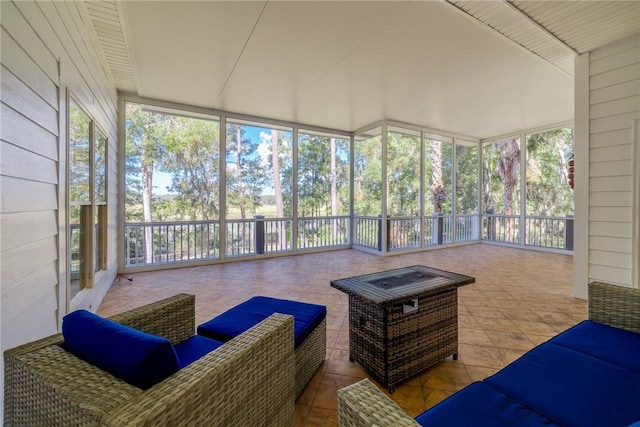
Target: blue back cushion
[(571, 388), (604, 342), (479, 404), (136, 357), (233, 322)]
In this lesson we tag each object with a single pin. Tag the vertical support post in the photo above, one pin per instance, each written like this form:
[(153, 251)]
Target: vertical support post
[(439, 227), (388, 234), (568, 233), (379, 245), (259, 233)]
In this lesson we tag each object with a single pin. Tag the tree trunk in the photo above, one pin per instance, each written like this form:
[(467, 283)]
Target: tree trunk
[(147, 194), (334, 188), (275, 157), (243, 213), (437, 186)]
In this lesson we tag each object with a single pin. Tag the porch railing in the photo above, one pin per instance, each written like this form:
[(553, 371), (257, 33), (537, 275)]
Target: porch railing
[(174, 242), (550, 232), (540, 231), (164, 242), (258, 236), (323, 232), (501, 228), (405, 232)]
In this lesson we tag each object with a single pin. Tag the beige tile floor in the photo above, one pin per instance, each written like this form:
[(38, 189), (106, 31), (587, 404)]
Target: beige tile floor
[(520, 299)]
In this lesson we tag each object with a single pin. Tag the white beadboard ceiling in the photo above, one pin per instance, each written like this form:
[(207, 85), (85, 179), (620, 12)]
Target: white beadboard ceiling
[(477, 68)]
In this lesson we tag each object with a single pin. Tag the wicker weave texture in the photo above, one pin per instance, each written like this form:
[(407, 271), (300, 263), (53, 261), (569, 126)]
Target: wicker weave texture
[(615, 306), (310, 355), (362, 404), (249, 381), (393, 345)]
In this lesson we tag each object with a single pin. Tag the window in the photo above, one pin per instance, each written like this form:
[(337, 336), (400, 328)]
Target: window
[(172, 185), (323, 190), (438, 175), (87, 195)]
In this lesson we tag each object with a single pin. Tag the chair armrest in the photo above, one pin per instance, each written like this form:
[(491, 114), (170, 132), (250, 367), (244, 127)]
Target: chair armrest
[(615, 306), (248, 381), (363, 404), (173, 318)]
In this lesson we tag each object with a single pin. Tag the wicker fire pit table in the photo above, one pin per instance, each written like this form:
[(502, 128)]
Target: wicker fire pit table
[(402, 321)]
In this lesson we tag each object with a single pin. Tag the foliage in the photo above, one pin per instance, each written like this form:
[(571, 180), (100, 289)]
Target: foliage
[(79, 153), (367, 175), (466, 179), (403, 175), (246, 173), (315, 178), (548, 191)]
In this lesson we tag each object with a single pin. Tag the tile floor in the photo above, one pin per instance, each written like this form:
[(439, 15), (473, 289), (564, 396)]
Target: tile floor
[(520, 299)]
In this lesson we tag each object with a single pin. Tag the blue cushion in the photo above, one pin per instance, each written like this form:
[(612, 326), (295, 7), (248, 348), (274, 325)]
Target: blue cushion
[(571, 388), (233, 322), (136, 357), (481, 405), (614, 345), (194, 348)]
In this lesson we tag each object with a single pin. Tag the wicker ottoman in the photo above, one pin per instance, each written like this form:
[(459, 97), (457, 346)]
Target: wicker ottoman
[(310, 330)]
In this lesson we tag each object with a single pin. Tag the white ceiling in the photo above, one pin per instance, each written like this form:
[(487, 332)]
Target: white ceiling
[(344, 65)]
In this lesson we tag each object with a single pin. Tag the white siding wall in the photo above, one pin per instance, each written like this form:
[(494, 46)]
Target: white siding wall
[(46, 48), (614, 107)]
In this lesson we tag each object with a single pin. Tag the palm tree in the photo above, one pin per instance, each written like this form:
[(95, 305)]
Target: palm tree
[(508, 167)]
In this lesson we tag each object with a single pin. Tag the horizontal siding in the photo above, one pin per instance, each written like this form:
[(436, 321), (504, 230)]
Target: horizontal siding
[(629, 104), (24, 132), (610, 139), (610, 229), (16, 60), (614, 107), (41, 224), (611, 183), (607, 199), (19, 163), (612, 168), (612, 153), (609, 274), (612, 259), (615, 61), (21, 30), (23, 99), (19, 195), (28, 288), (618, 91), (610, 214), (30, 325), (44, 44), (14, 267)]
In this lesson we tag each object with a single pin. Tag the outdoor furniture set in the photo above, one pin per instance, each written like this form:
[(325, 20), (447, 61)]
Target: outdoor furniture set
[(588, 375), (146, 367)]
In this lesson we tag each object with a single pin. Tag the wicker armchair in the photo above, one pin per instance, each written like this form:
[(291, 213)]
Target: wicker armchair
[(249, 381), (363, 404)]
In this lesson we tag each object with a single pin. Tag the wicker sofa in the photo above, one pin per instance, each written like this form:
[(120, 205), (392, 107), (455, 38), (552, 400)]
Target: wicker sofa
[(588, 375), (46, 385)]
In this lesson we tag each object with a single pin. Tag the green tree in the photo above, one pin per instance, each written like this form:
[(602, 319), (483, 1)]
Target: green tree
[(246, 175), (192, 159)]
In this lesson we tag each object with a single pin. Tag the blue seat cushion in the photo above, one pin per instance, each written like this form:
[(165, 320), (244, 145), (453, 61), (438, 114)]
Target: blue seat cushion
[(605, 342), (571, 388), (233, 322), (479, 404), (136, 357), (194, 348)]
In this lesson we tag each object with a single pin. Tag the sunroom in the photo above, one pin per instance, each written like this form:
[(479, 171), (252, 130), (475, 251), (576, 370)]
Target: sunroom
[(395, 129)]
